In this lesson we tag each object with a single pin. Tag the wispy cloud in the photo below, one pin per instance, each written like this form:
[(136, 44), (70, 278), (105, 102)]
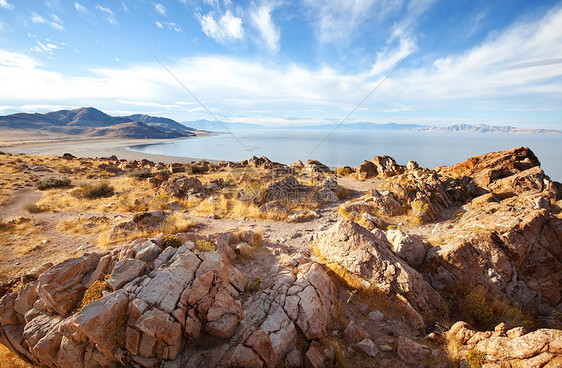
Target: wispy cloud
[(80, 8), (261, 18), (223, 29), (5, 4), (46, 47), (160, 9), (173, 26), (109, 14), (158, 24), (36, 18)]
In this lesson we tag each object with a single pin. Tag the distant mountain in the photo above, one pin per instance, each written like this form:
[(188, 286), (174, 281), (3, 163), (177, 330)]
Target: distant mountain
[(90, 122), (364, 126), (483, 128), (203, 124)]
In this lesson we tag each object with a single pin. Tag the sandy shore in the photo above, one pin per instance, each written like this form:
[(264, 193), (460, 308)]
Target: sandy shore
[(99, 148)]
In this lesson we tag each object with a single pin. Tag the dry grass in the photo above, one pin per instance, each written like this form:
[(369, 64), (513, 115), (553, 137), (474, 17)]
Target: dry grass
[(11, 360), (84, 225), (228, 207)]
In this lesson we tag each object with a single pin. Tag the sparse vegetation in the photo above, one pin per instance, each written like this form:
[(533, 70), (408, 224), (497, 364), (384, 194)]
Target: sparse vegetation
[(52, 183), (33, 208), (205, 246), (476, 358), (177, 223), (140, 174), (94, 191), (171, 241), (95, 291)]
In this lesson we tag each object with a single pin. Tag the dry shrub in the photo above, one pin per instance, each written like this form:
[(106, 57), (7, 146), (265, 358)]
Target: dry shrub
[(95, 291), (205, 246), (50, 183), (94, 191), (177, 223), (34, 208), (171, 241), (84, 225)]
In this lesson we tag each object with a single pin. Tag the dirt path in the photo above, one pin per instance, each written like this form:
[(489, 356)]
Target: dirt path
[(14, 206)]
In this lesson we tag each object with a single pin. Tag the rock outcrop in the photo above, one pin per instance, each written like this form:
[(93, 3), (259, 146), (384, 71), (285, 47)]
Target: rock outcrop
[(163, 307), (368, 255), (508, 348)]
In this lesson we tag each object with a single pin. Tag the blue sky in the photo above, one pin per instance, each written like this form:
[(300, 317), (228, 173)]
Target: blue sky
[(278, 62)]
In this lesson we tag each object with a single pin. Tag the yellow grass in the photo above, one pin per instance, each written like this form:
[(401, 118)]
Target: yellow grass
[(11, 360), (84, 225)]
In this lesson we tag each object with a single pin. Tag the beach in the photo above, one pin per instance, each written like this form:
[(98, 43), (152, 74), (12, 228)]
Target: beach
[(99, 148)]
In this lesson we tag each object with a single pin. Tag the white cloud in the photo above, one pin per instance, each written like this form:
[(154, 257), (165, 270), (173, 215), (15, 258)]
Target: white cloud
[(228, 27), (337, 21), (80, 8), (261, 17), (5, 4), (109, 15), (158, 24), (47, 47), (173, 26), (160, 9), (125, 7), (36, 18), (518, 69)]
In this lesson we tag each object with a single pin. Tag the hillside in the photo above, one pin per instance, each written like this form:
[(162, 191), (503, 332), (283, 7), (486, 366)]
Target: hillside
[(114, 263), (88, 122)]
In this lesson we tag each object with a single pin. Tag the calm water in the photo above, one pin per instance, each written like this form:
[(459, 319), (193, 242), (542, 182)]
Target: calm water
[(351, 147)]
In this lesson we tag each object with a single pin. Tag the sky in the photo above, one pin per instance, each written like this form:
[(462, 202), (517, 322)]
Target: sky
[(278, 62)]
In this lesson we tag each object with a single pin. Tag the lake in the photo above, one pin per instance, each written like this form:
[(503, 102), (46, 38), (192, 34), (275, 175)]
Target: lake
[(351, 147)]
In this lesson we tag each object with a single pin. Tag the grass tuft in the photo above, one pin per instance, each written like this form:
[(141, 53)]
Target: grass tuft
[(94, 191), (52, 183)]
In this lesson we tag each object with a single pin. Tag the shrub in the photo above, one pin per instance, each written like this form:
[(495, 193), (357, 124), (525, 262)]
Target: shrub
[(94, 292), (344, 171), (205, 246), (171, 241), (140, 174), (52, 183), (93, 191), (65, 169), (137, 217), (33, 208), (476, 358), (159, 202), (477, 307)]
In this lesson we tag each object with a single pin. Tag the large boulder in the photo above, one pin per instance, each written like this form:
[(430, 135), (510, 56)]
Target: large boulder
[(408, 247), (182, 186), (369, 255)]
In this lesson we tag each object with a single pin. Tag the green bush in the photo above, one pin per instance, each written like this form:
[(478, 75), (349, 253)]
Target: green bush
[(171, 241), (93, 191), (52, 183)]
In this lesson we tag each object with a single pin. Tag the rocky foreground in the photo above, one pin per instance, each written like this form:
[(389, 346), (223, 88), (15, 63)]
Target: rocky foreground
[(455, 266)]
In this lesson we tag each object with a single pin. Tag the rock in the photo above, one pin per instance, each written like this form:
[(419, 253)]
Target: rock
[(368, 347), (294, 359), (176, 168), (369, 256), (352, 332), (274, 207), (320, 355), (62, 286), (386, 348), (287, 189), (313, 166), (410, 351), (541, 348), (246, 358), (376, 316), (409, 248), (366, 170), (182, 186), (125, 271)]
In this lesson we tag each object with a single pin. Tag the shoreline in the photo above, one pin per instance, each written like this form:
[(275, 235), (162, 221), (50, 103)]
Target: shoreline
[(102, 148)]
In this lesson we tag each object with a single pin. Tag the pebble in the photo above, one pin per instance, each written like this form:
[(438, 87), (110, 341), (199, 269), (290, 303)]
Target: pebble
[(376, 316)]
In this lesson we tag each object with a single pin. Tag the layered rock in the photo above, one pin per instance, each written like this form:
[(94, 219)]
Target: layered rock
[(508, 348), (507, 240), (368, 255), (163, 307), (182, 186)]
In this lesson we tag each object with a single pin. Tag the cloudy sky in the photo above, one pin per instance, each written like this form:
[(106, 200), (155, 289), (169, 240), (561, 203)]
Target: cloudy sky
[(287, 62)]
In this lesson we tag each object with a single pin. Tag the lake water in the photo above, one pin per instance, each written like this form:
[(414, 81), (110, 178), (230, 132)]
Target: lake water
[(351, 147)]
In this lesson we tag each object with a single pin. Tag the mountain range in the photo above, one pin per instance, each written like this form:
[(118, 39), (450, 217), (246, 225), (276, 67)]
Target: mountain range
[(457, 128), (92, 123)]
